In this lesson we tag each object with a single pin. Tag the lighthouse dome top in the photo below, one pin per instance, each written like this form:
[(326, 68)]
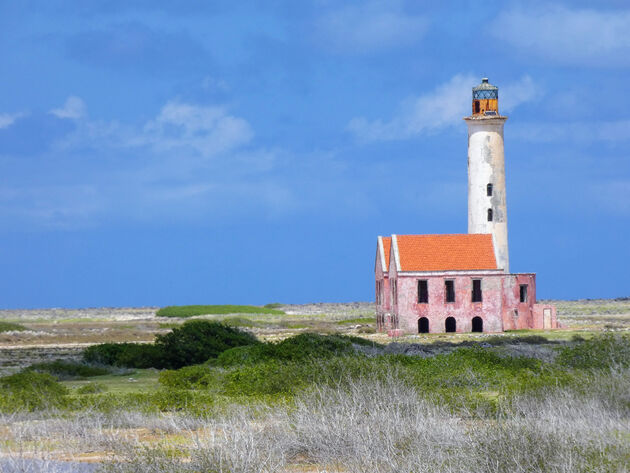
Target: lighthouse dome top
[(485, 90)]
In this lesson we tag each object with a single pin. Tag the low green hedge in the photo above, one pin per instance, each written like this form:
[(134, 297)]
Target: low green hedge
[(300, 347), (68, 369), (192, 343)]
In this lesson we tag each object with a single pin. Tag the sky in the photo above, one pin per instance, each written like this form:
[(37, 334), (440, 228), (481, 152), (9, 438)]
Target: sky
[(210, 152)]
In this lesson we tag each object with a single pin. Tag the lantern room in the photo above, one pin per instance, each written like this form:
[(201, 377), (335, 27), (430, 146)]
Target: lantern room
[(485, 99)]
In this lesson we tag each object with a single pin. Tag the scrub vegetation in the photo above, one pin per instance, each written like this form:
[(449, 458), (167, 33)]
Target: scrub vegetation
[(210, 396), (192, 310), (11, 327)]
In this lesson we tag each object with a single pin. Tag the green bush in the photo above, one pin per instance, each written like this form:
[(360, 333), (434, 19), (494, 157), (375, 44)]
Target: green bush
[(198, 341), (192, 310), (91, 388), (130, 355), (272, 377), (300, 347), (192, 343), (273, 305), (191, 377), (29, 390), (68, 369), (605, 351), (163, 400), (11, 327)]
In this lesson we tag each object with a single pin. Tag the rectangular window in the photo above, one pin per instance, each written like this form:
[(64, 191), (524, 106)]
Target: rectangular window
[(394, 292), (489, 215), (423, 291), (449, 286), (523, 292), (476, 291)]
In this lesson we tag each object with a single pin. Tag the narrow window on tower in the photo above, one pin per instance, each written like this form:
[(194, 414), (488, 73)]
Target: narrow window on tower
[(489, 215), (476, 290), (489, 190), (523, 292), (423, 291), (449, 286), (477, 106)]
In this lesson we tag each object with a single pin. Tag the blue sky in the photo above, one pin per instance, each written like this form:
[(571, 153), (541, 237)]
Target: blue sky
[(156, 153)]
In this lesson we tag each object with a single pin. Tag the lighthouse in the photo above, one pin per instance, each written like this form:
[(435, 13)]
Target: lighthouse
[(458, 282), (487, 209)]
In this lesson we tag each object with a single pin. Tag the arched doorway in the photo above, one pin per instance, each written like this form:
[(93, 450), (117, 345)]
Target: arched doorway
[(423, 325), (477, 324), (451, 325)]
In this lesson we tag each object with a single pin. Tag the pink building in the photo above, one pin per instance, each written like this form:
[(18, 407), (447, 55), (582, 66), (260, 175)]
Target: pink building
[(451, 283), (462, 283)]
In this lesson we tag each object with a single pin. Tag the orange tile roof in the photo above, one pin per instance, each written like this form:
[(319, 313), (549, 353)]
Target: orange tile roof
[(387, 245), (446, 252)]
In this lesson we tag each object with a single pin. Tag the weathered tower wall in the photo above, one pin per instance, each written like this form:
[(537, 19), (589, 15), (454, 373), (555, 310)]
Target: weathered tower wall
[(487, 209)]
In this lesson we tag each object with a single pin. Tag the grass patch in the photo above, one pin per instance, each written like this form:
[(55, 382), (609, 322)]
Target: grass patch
[(11, 327), (358, 320), (91, 388), (169, 325), (138, 381), (192, 310)]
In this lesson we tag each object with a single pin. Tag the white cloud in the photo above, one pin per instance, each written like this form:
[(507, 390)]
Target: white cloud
[(182, 131), (445, 106), (206, 129), (74, 108), (374, 26), (559, 34), (516, 93), (8, 119)]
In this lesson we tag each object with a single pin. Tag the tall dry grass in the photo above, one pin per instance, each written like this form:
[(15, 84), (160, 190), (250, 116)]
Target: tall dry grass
[(371, 426)]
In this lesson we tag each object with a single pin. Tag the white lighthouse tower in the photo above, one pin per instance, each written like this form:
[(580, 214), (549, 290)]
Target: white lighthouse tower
[(487, 209)]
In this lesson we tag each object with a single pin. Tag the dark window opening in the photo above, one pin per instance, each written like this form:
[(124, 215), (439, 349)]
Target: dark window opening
[(423, 325), (523, 292), (477, 109), (476, 291), (489, 190), (450, 290), (477, 324), (489, 215), (423, 291), (450, 325)]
